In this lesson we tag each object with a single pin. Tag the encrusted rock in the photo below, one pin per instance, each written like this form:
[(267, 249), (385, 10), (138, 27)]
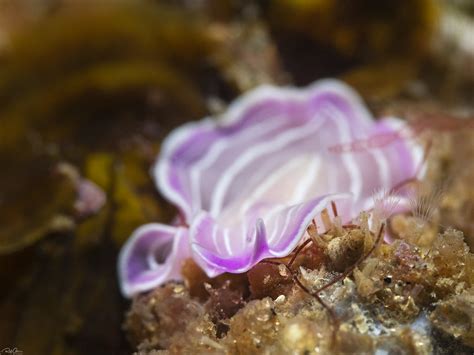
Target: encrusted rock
[(455, 316)]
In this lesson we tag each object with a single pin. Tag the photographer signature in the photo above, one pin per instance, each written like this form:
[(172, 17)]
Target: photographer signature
[(11, 351)]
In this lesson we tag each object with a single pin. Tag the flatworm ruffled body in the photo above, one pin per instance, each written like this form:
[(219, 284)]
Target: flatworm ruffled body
[(248, 184)]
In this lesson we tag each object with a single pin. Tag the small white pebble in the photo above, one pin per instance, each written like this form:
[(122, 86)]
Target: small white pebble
[(178, 289), (280, 299)]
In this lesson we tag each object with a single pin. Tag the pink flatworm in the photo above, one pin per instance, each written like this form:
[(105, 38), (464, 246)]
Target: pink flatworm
[(248, 184)]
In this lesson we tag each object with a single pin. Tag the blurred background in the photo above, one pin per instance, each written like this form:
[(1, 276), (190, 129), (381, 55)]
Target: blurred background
[(88, 89)]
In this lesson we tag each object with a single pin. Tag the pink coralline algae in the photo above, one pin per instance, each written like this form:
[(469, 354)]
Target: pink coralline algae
[(248, 184)]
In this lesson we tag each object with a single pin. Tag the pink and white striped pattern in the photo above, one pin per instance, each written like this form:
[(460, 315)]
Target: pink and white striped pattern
[(249, 183)]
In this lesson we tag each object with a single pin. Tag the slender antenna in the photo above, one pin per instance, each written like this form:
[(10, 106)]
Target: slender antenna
[(298, 250)]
